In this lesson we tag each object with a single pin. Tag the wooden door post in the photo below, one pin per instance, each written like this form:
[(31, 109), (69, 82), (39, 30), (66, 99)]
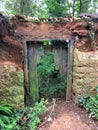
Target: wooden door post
[(31, 94), (26, 82), (32, 73), (70, 69)]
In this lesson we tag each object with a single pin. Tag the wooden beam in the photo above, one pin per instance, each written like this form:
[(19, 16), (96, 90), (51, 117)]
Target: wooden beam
[(32, 73), (26, 82), (70, 69)]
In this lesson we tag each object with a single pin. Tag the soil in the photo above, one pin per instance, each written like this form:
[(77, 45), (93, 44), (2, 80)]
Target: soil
[(11, 52), (69, 116)]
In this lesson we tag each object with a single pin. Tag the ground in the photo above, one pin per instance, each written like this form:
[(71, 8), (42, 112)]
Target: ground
[(69, 116), (66, 116)]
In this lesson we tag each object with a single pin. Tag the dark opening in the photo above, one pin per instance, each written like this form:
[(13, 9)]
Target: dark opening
[(47, 68)]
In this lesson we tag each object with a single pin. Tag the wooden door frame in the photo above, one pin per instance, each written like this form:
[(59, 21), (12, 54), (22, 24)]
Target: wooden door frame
[(69, 71)]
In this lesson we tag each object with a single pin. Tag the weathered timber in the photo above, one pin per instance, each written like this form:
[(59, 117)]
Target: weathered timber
[(32, 73), (70, 66), (26, 82), (60, 51)]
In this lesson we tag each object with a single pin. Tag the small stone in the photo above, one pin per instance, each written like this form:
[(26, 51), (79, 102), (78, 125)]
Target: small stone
[(49, 119)]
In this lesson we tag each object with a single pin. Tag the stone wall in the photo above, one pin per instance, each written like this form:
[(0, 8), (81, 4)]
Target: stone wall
[(85, 73), (11, 85)]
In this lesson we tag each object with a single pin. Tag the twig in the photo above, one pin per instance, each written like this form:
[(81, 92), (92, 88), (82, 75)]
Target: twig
[(54, 102)]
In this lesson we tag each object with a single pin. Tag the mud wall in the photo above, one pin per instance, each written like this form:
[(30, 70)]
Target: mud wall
[(86, 45), (11, 73), (85, 73), (11, 85), (85, 65), (85, 62), (11, 51)]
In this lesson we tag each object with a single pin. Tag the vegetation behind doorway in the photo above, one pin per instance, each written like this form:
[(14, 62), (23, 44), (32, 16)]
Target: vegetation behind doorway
[(48, 60)]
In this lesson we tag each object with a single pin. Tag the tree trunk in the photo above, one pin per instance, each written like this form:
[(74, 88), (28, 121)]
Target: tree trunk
[(25, 7), (22, 7), (80, 6), (73, 7)]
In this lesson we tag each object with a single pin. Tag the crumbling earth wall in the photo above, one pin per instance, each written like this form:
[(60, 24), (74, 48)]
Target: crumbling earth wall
[(85, 61), (85, 73), (85, 53), (11, 73)]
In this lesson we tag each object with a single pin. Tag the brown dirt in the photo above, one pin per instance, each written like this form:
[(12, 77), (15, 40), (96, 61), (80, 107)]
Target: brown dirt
[(11, 51), (69, 116)]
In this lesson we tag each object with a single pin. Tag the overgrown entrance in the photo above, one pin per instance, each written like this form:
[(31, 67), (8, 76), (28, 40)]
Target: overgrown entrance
[(47, 68)]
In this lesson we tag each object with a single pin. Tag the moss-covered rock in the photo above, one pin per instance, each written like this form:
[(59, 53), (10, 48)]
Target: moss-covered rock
[(11, 86)]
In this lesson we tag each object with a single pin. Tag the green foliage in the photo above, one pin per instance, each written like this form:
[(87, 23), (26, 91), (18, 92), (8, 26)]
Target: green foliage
[(55, 7), (81, 101), (23, 119), (39, 9), (46, 65), (24, 7), (51, 83), (47, 8), (91, 106), (5, 112), (47, 42), (90, 103), (5, 109), (81, 6), (11, 7)]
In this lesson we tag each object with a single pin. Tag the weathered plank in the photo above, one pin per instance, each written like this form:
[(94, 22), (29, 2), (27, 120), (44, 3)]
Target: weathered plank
[(32, 73), (70, 69), (26, 82), (60, 51)]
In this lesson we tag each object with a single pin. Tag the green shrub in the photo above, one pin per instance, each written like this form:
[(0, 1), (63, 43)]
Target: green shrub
[(51, 82), (5, 112), (90, 103), (92, 106), (28, 118), (22, 119)]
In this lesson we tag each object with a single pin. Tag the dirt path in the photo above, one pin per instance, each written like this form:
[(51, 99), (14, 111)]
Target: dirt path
[(68, 116)]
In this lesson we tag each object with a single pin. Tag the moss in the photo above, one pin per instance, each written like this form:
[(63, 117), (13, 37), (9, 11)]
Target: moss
[(34, 96), (12, 90)]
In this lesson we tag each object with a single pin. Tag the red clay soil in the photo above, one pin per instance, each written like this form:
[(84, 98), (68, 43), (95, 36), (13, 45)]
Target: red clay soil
[(11, 51), (69, 116), (11, 46)]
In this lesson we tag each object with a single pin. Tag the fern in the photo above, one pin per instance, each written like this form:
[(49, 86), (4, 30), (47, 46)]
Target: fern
[(5, 109), (5, 112)]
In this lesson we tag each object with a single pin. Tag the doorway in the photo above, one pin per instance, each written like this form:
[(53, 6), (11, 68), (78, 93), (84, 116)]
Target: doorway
[(47, 69)]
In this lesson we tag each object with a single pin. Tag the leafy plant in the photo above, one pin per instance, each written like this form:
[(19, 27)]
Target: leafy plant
[(90, 103), (25, 118), (28, 117), (55, 7), (51, 82), (48, 8), (5, 111), (92, 106)]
